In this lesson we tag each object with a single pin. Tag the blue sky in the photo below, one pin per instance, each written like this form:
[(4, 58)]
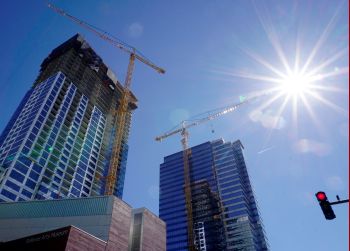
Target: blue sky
[(214, 52)]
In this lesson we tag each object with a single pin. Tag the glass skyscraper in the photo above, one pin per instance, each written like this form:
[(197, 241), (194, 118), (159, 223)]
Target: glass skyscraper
[(224, 211), (59, 141)]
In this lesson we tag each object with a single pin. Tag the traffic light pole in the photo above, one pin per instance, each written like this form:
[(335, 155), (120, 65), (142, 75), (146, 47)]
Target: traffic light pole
[(339, 202)]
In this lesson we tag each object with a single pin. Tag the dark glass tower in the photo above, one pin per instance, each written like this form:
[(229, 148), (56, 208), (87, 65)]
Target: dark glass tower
[(59, 141), (224, 211)]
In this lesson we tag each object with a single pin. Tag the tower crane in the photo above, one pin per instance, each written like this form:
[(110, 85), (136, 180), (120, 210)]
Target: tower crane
[(119, 113), (183, 131)]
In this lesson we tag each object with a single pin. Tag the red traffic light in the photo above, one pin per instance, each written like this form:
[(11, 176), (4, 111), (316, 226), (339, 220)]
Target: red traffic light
[(325, 205), (321, 196)]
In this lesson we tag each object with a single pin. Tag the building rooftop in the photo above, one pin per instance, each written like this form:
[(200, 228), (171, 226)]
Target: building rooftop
[(90, 57)]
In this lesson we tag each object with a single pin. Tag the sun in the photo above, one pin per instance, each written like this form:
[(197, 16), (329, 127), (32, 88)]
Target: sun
[(300, 77), (295, 84)]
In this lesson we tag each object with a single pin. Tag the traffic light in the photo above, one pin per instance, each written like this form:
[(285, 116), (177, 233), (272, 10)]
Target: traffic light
[(325, 205)]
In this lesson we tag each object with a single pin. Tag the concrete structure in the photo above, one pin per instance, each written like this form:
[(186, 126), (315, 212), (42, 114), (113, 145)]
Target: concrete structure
[(106, 218), (59, 141), (224, 211)]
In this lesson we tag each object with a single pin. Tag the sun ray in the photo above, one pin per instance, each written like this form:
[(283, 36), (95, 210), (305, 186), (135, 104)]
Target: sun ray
[(297, 55), (316, 122), (270, 101), (283, 106), (337, 72), (263, 62), (328, 103), (336, 56), (272, 35), (329, 89), (322, 39), (249, 76), (278, 115), (295, 113)]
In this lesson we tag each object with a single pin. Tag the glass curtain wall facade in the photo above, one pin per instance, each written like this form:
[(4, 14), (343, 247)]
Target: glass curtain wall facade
[(225, 213), (205, 194), (243, 226), (58, 142)]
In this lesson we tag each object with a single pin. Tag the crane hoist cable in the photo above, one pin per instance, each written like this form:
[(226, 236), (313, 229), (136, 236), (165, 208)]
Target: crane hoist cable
[(120, 113)]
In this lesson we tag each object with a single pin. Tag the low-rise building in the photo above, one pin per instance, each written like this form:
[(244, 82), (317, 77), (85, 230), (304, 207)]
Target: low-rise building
[(106, 218)]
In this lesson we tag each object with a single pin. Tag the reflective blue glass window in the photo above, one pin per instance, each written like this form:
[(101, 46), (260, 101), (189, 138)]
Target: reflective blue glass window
[(37, 168), (30, 184), (77, 185), (43, 189), (21, 167), (235, 214), (230, 184), (79, 178), (8, 194), (12, 185), (26, 193), (81, 171), (75, 191), (33, 175), (231, 195), (17, 176)]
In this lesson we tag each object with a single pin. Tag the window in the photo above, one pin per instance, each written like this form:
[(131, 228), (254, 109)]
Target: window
[(12, 185), (57, 179), (43, 189), (237, 213), (80, 171), (25, 160), (77, 185), (30, 184), (32, 137), (231, 183), (37, 168), (234, 207), (8, 194), (79, 178), (42, 161), (20, 167), (17, 176), (33, 175), (26, 193), (232, 201)]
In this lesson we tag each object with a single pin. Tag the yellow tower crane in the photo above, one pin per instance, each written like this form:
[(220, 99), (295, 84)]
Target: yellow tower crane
[(183, 130), (121, 112)]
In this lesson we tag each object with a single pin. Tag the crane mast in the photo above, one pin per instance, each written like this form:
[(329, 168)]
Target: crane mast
[(120, 113), (183, 131)]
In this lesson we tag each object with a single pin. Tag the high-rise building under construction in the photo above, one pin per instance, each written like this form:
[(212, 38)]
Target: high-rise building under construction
[(224, 211), (60, 140)]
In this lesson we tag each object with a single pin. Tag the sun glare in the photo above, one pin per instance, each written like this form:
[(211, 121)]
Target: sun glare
[(302, 82), (295, 84)]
